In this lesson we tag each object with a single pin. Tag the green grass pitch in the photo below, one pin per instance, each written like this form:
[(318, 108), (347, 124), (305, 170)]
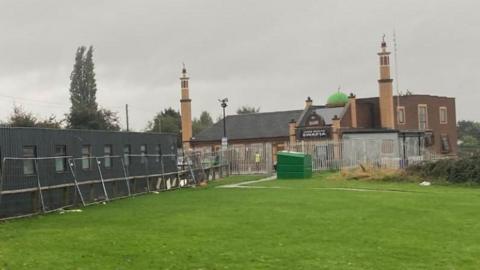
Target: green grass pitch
[(281, 224)]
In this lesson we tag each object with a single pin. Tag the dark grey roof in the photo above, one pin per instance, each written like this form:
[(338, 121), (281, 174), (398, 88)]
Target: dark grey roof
[(251, 126), (327, 113)]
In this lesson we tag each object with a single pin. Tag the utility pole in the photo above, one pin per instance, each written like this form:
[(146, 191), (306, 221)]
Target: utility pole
[(126, 113), (396, 67), (158, 123)]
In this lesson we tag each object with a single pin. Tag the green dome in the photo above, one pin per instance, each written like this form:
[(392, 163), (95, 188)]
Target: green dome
[(338, 99)]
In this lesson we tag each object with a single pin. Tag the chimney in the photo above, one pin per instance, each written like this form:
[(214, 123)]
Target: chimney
[(336, 128), (352, 99), (292, 125), (308, 102)]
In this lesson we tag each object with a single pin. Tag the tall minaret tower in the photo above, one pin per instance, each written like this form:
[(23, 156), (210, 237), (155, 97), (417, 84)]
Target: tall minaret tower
[(186, 110), (385, 85)]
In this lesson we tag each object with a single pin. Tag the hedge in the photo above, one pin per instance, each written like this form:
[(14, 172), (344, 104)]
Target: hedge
[(452, 170)]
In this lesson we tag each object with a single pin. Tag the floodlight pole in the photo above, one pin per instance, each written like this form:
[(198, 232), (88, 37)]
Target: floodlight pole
[(223, 103), (224, 122), (126, 114)]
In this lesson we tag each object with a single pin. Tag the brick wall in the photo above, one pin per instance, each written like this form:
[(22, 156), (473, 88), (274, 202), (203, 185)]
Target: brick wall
[(433, 104)]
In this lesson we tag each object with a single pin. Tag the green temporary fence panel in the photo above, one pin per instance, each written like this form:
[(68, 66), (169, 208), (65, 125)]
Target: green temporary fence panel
[(293, 165)]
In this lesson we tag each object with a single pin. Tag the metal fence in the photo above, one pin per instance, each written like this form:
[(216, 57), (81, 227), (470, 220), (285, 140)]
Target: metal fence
[(31, 186), (250, 159), (383, 153), (41, 185), (259, 158), (205, 165)]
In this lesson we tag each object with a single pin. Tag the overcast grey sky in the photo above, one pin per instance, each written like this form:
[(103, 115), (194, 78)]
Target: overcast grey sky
[(269, 54)]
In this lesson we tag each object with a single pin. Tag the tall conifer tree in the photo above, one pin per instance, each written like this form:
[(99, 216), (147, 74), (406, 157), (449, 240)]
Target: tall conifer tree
[(84, 112), (90, 82), (76, 81)]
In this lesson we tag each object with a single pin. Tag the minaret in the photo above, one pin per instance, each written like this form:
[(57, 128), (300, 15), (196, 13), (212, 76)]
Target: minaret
[(186, 110), (385, 86)]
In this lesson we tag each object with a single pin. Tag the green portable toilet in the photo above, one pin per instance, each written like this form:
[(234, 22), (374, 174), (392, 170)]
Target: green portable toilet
[(293, 165)]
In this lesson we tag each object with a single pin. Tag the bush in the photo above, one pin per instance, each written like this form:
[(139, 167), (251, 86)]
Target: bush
[(374, 174), (454, 171)]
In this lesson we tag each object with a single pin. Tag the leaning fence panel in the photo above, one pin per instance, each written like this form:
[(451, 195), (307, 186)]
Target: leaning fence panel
[(113, 172), (31, 186), (215, 164), (202, 166), (144, 173), (28, 186), (87, 174)]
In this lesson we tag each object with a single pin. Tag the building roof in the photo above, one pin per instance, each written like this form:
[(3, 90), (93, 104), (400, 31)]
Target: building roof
[(327, 113), (251, 126), (4, 127)]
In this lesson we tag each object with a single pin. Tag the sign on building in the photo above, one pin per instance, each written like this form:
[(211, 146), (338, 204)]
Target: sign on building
[(317, 133), (224, 142)]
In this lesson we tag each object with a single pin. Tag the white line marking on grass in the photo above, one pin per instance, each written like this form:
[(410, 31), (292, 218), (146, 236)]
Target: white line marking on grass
[(363, 189), (247, 183), (242, 184)]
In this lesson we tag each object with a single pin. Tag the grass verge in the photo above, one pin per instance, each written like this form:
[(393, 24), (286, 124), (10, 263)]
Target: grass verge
[(300, 226)]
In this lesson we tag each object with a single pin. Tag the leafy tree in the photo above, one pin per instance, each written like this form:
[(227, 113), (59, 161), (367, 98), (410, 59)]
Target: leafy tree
[(77, 87), (169, 121), (22, 118), (247, 109), (205, 121), (90, 82), (469, 140), (50, 122), (468, 128), (84, 112), (469, 135), (109, 120)]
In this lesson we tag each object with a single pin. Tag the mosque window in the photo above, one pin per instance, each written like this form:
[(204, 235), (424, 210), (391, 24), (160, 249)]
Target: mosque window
[(86, 157), (443, 115), (422, 117), (401, 115), (445, 143), (388, 146), (429, 139), (29, 153)]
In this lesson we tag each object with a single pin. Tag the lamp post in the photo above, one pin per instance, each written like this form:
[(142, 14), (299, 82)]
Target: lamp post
[(223, 104)]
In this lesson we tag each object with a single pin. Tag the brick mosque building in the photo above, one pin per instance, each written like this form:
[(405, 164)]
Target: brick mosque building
[(429, 119)]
